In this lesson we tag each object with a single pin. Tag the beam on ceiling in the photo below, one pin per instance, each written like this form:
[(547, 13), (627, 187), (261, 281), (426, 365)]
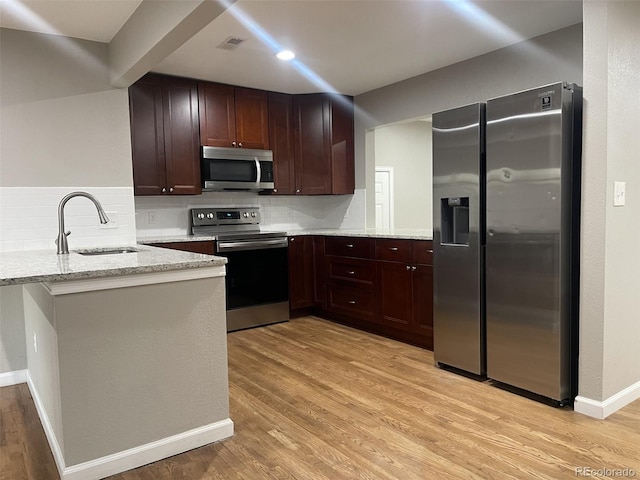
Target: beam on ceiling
[(155, 30)]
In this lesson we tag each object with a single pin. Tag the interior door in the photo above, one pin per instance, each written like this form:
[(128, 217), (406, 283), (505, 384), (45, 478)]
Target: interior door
[(384, 197)]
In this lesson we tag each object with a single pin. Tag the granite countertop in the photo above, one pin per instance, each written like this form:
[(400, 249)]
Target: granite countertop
[(46, 266), (400, 233)]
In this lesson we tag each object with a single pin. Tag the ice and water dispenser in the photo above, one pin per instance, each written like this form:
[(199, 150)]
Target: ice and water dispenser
[(454, 219)]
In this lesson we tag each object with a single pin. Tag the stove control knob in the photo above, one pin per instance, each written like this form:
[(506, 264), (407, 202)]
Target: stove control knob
[(210, 215), (245, 214), (201, 216), (253, 214)]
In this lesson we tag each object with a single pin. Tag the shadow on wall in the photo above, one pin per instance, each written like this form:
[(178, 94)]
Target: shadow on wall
[(13, 354)]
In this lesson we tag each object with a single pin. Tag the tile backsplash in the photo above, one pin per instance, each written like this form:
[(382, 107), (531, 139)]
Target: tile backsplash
[(167, 216), (29, 217)]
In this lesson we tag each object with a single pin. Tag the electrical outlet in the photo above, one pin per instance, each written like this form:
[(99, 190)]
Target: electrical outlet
[(35, 342), (619, 194), (153, 217), (113, 222)]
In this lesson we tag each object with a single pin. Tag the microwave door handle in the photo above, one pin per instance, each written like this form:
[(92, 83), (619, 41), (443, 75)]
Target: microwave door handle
[(258, 172)]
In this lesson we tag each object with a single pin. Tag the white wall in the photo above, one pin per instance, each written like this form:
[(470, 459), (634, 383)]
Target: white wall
[(610, 291), (62, 123), (407, 148), (546, 59)]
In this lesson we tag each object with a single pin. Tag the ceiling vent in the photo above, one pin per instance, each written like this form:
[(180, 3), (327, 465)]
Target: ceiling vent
[(231, 43)]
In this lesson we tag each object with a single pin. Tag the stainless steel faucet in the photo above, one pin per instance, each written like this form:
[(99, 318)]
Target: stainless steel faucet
[(61, 241)]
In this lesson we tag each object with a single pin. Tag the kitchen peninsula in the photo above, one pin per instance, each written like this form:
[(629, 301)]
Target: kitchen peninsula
[(127, 353)]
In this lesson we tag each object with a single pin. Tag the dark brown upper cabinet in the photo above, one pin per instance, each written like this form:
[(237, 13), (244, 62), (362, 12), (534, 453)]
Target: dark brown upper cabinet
[(281, 141), (323, 144), (164, 136), (233, 116)]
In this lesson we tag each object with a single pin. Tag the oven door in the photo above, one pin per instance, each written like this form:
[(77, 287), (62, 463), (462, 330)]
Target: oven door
[(257, 282)]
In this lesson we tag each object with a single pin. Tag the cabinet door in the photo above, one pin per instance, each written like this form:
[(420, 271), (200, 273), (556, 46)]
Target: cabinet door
[(181, 139), (252, 118), (301, 293), (394, 295), (147, 145), (217, 114), (281, 142), (342, 150), (319, 275), (423, 302), (312, 146)]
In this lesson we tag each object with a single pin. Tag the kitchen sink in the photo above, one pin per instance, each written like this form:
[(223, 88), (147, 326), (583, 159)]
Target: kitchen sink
[(108, 251)]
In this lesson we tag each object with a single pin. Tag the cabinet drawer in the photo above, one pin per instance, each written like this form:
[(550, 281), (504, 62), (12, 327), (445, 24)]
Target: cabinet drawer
[(352, 301), (349, 247), (356, 270), (422, 252), (393, 250)]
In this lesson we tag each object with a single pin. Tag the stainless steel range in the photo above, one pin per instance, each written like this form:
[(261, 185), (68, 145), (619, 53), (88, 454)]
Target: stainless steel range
[(257, 281)]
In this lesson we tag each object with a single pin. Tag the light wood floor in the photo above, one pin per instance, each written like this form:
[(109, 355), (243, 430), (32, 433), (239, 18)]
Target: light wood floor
[(314, 400)]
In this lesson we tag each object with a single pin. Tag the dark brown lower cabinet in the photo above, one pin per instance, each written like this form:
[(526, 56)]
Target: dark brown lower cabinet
[(395, 295), (384, 286), (301, 273), (422, 284)]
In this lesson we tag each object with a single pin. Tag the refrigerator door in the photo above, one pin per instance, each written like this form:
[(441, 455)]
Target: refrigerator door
[(528, 241), (458, 190)]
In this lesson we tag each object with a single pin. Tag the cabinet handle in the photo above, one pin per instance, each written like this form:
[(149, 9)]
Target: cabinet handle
[(408, 267), (164, 190), (349, 245), (393, 249), (298, 190), (233, 144), (240, 145), (351, 272), (413, 269), (292, 239), (275, 190), (352, 302), (171, 190), (429, 251)]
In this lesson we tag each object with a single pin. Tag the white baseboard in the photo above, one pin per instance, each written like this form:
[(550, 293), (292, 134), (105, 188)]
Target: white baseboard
[(13, 378), (150, 452), (47, 427), (601, 410), (133, 457)]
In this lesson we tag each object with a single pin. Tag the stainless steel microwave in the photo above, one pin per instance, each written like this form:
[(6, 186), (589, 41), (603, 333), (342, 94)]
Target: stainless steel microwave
[(236, 169)]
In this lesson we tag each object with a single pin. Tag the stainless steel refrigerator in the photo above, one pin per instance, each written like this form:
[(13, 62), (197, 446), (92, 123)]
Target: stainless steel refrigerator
[(458, 237), (529, 286)]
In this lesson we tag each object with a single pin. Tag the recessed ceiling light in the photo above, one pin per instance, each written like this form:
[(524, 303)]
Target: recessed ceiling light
[(286, 55)]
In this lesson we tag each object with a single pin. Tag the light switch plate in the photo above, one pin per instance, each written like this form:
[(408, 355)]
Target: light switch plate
[(619, 194)]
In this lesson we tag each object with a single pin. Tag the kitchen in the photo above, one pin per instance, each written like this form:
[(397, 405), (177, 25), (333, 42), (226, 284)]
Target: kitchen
[(609, 332)]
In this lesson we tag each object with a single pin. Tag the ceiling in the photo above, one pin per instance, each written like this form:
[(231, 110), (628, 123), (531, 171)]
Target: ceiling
[(342, 45)]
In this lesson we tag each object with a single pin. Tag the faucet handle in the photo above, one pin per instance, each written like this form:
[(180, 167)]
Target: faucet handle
[(66, 234)]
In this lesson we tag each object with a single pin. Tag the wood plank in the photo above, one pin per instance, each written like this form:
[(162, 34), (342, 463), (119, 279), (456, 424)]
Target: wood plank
[(312, 399)]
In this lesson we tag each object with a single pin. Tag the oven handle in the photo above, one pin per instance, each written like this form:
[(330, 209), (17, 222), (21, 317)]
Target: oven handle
[(228, 246)]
